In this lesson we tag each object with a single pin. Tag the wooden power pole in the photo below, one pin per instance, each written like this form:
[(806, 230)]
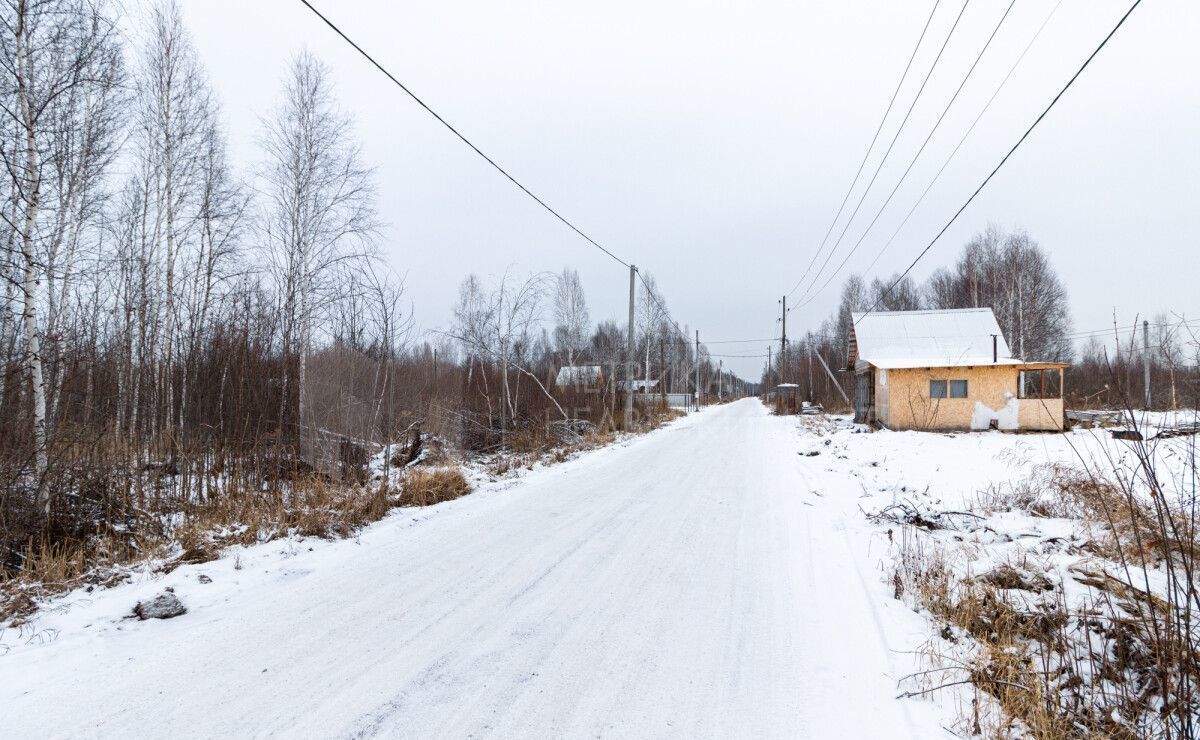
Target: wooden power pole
[(629, 348), (1146, 361), (783, 346)]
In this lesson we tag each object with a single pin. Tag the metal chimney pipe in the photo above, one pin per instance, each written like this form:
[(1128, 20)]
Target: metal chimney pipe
[(995, 349)]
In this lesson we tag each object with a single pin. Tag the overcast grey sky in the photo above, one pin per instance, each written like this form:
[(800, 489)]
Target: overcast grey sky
[(711, 143)]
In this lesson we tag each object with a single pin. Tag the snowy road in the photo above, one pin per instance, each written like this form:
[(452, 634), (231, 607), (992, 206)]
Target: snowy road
[(686, 584)]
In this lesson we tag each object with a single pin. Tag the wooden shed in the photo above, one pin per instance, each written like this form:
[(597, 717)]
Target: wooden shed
[(948, 370)]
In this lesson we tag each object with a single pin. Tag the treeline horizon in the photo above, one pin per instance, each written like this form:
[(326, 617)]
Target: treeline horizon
[(1011, 273)]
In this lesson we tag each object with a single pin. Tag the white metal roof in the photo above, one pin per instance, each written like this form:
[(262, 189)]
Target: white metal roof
[(578, 375), (942, 338)]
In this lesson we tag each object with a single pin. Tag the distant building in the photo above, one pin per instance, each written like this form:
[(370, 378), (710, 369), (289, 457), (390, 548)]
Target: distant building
[(580, 377), (948, 370)]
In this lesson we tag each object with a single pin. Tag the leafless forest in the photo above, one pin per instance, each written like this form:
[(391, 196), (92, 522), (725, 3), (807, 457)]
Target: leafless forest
[(189, 343)]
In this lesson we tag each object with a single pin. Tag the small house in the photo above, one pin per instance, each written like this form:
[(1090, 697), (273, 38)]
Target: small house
[(787, 397), (580, 377), (948, 370)]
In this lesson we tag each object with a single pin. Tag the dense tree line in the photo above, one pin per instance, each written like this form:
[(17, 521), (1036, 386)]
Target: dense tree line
[(174, 328)]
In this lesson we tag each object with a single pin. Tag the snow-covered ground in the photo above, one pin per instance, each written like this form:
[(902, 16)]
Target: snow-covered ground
[(688, 583), (716, 578), (1017, 512)]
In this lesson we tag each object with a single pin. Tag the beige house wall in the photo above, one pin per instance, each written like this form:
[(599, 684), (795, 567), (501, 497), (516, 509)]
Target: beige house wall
[(902, 401), (882, 399), (1042, 413)]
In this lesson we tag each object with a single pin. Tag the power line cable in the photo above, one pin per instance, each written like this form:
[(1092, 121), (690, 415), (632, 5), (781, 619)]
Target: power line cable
[(892, 145), (456, 132), (1006, 157), (870, 148), (837, 270), (485, 157), (965, 136)]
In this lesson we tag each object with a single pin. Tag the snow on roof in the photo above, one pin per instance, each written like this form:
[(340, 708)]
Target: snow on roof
[(578, 375), (942, 338)]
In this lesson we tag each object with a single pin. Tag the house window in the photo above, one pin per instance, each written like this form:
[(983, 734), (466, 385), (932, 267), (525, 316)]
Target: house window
[(1029, 383), (1053, 380), (958, 389), (937, 389), (1045, 383)]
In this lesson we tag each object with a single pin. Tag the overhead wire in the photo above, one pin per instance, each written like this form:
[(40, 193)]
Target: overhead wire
[(459, 134), (650, 292), (965, 136), (870, 148), (1008, 155), (891, 145), (837, 270)]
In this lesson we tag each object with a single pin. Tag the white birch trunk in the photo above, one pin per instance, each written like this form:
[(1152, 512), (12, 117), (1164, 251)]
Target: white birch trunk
[(30, 282)]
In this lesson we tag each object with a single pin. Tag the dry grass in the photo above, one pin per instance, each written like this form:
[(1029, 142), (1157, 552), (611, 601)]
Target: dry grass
[(1007, 627), (191, 532), (1122, 662), (433, 486), (1123, 524)]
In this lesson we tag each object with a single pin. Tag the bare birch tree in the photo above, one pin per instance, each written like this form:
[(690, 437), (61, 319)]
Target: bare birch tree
[(570, 315), (652, 319), (385, 292), (176, 131), (1011, 274), (59, 58), (319, 214)]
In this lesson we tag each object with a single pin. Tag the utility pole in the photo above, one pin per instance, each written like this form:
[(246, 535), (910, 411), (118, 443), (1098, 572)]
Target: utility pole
[(811, 395), (783, 346), (720, 380), (662, 385), (697, 369), (1146, 360), (612, 384), (629, 354), (770, 364)]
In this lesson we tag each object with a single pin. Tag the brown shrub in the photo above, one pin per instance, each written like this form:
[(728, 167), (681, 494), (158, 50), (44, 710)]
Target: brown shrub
[(433, 486)]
